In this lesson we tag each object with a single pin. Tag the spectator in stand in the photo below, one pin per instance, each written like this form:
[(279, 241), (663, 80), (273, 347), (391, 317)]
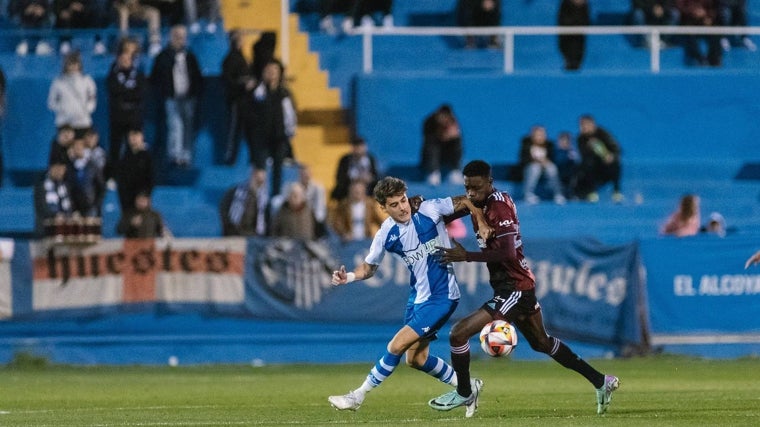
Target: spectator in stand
[(328, 8), (59, 147), (364, 12), (95, 152), (573, 46), (76, 15), (716, 225), (210, 11), (73, 96), (274, 124), (88, 187), (701, 13), (358, 216), (32, 15), (441, 146), (141, 10), (141, 221), (566, 158), (734, 13), (176, 75), (654, 12), (685, 221), (53, 197), (126, 86), (479, 13), (295, 218), (238, 84), (244, 209), (315, 196), (359, 164), (600, 161), (134, 173), (263, 53), (536, 160)]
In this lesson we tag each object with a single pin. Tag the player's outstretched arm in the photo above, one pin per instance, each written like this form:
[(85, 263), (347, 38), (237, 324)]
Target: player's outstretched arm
[(754, 259), (361, 272), (485, 231)]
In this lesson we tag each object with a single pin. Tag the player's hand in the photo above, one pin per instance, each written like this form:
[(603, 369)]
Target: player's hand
[(415, 202), (754, 259), (457, 253), (339, 276), (485, 231)]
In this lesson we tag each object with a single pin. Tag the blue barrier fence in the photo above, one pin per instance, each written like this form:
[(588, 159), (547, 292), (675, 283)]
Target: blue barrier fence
[(237, 301)]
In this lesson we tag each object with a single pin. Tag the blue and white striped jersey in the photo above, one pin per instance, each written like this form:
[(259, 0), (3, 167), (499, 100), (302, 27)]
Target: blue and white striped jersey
[(415, 242)]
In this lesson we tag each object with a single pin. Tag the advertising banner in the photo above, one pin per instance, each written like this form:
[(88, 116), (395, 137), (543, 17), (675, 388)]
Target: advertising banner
[(700, 292), (127, 275), (589, 292)]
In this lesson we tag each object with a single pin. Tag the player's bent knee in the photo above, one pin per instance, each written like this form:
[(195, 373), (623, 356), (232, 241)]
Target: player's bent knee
[(541, 346)]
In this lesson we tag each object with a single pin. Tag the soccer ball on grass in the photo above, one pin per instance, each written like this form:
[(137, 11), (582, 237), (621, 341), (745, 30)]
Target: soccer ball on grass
[(498, 338)]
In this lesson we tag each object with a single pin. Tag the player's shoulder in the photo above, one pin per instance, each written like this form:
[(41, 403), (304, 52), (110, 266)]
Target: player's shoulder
[(498, 197)]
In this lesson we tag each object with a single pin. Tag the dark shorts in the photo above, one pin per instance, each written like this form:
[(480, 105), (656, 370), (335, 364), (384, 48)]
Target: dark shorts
[(515, 305)]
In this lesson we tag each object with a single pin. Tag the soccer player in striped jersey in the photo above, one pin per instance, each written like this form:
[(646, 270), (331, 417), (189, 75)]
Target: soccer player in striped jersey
[(514, 296), (413, 237)]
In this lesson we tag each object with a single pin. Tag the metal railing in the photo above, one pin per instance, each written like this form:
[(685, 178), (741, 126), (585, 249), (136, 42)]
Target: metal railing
[(508, 34)]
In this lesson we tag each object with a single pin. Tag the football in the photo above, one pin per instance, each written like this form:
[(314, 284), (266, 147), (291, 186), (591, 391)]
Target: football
[(498, 338)]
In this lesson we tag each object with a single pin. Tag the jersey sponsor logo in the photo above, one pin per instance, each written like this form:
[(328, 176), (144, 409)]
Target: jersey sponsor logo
[(421, 252), (393, 237), (506, 223)]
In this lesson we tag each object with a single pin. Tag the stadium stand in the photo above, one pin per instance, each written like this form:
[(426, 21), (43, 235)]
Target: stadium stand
[(676, 139)]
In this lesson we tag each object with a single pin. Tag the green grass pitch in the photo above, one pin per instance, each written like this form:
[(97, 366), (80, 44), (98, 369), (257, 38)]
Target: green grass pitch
[(654, 391)]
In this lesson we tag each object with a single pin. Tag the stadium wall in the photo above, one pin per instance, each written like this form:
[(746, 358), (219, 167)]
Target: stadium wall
[(270, 301), (677, 115)]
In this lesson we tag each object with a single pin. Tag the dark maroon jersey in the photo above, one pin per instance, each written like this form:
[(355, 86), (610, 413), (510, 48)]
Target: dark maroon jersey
[(508, 274)]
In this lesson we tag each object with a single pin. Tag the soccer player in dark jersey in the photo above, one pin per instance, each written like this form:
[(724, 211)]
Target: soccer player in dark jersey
[(514, 296)]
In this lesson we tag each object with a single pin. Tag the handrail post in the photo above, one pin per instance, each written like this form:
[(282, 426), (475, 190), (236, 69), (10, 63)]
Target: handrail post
[(509, 51), (655, 51), (367, 49), (285, 32)]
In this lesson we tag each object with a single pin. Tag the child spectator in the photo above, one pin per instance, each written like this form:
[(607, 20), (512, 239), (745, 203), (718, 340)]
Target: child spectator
[(567, 159), (87, 179)]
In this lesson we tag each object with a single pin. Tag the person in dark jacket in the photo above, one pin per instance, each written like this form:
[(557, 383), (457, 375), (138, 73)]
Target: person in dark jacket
[(126, 94), (274, 124), (359, 164), (600, 161), (177, 77), (141, 221), (134, 172), (244, 208), (573, 46), (263, 53), (53, 197), (238, 84)]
